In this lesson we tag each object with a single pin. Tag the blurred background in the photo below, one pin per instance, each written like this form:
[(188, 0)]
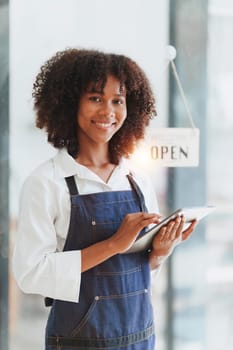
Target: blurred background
[(193, 295)]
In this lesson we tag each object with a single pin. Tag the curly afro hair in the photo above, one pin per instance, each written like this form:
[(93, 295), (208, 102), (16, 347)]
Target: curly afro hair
[(67, 75)]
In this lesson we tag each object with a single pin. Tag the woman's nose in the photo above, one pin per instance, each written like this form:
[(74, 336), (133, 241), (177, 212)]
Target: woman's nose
[(107, 109)]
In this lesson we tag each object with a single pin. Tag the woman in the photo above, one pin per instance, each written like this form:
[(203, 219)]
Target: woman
[(83, 208)]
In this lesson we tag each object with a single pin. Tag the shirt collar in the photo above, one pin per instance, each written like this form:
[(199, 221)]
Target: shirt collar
[(65, 165)]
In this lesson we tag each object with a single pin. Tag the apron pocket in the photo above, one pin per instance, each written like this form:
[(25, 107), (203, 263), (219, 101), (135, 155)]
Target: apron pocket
[(116, 316), (119, 264)]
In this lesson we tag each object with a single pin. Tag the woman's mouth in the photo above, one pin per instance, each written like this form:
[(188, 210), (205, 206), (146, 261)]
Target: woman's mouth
[(103, 125)]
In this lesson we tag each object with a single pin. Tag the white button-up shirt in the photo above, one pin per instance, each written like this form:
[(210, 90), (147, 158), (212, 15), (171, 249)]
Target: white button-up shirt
[(39, 264)]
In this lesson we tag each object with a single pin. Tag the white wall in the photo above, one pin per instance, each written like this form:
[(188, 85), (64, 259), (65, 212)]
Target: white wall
[(38, 29)]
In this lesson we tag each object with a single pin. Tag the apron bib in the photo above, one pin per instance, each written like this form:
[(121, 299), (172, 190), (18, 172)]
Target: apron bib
[(114, 309)]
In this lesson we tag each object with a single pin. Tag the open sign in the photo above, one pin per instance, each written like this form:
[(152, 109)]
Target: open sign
[(174, 147)]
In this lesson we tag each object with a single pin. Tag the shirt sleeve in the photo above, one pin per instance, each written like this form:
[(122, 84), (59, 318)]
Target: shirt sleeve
[(37, 266)]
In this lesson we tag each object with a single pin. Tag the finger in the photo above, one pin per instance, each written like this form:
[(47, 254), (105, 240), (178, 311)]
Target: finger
[(169, 230), (157, 217), (140, 216), (162, 233), (180, 225), (176, 230), (145, 215), (146, 221), (138, 221), (187, 233)]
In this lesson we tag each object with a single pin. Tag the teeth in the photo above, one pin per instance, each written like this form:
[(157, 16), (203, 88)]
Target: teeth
[(104, 125)]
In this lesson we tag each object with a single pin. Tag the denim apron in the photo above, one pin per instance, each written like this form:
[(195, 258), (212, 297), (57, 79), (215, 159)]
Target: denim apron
[(114, 309)]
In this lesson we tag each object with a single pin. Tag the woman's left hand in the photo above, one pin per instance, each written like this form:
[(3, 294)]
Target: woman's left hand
[(168, 238)]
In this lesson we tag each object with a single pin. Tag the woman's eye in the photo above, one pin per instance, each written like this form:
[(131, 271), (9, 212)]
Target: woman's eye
[(118, 102), (95, 98)]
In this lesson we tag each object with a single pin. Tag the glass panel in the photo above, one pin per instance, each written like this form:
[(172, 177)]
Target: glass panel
[(220, 175)]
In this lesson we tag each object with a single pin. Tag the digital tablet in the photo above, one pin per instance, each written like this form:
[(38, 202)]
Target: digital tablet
[(144, 242)]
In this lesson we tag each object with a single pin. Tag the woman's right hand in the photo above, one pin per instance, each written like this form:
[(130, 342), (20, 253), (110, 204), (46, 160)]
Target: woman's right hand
[(129, 229), (119, 242)]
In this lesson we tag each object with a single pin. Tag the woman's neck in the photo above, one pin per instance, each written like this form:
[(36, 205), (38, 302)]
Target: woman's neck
[(97, 161), (97, 157)]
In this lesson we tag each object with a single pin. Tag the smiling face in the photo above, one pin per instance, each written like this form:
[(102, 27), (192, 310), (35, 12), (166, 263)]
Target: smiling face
[(101, 114)]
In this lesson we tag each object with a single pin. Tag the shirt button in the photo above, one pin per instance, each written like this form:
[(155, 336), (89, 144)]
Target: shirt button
[(97, 297)]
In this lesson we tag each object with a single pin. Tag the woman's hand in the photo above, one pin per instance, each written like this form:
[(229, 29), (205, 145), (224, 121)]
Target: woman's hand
[(120, 242), (129, 229), (168, 238)]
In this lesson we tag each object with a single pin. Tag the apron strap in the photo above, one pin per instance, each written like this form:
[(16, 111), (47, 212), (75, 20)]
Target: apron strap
[(138, 192), (70, 181)]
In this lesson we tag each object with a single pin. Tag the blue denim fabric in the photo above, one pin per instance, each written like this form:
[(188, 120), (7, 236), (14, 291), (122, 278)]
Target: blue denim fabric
[(115, 310)]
